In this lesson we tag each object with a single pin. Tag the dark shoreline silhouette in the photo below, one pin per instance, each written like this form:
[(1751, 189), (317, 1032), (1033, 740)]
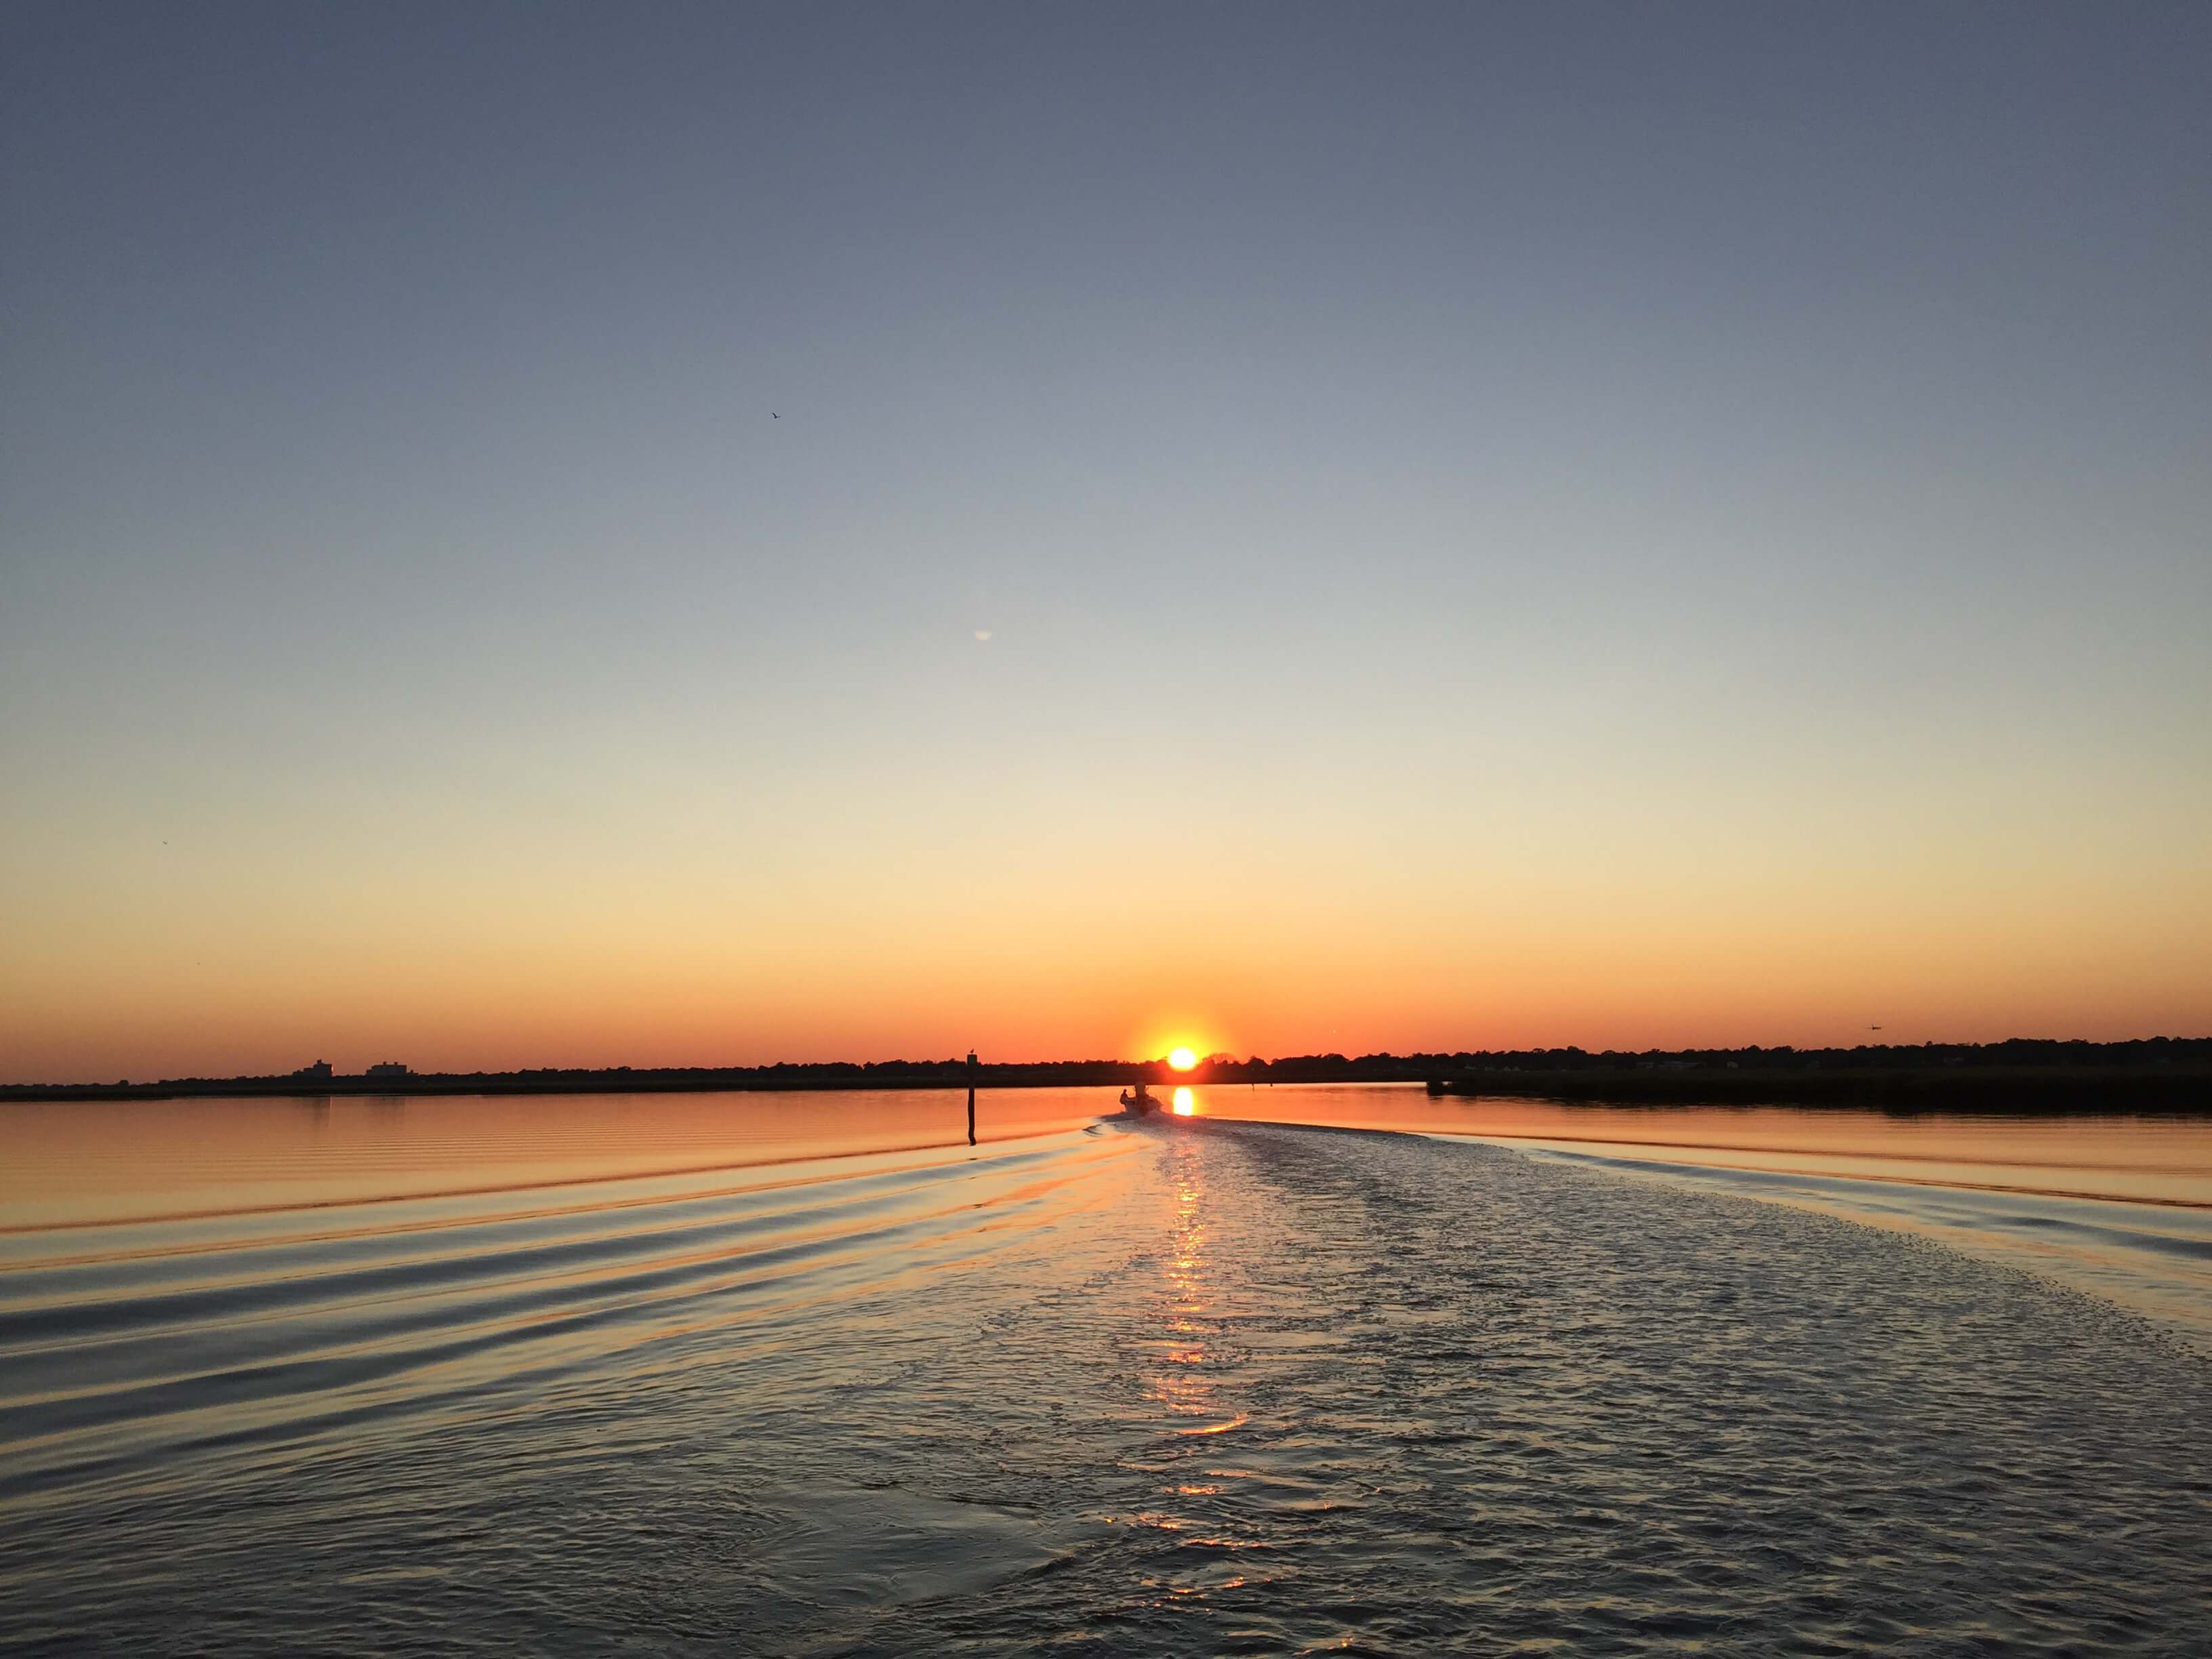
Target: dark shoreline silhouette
[(2020, 1075)]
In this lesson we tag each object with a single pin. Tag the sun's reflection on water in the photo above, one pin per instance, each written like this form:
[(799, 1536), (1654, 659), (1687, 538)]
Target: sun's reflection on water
[(1186, 1390), (1188, 1383)]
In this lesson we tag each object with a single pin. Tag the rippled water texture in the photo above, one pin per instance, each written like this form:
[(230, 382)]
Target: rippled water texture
[(681, 1382)]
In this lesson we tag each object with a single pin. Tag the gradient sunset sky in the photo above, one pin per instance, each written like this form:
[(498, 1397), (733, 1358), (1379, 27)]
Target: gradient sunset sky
[(663, 534)]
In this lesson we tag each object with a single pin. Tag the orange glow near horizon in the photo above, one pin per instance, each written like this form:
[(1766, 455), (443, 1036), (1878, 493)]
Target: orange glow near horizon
[(1181, 1059), (460, 962)]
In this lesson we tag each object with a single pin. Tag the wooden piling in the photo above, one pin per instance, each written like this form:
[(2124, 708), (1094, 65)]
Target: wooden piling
[(971, 1097)]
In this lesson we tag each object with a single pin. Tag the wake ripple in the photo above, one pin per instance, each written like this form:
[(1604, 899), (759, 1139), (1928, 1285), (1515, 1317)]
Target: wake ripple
[(144, 1341)]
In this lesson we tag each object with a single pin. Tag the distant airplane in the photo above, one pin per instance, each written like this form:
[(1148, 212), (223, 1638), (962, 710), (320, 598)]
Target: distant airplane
[(1873, 1028)]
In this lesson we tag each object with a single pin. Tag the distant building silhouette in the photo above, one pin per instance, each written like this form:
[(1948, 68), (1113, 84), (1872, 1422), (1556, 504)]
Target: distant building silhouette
[(317, 1073), (387, 1068)]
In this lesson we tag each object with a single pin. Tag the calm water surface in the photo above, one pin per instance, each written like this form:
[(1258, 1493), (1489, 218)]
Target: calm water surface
[(807, 1374)]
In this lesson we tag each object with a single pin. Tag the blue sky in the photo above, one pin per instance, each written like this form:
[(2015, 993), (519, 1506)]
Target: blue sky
[(1448, 462)]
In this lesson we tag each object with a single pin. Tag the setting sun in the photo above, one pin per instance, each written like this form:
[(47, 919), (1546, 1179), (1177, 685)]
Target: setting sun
[(1181, 1059)]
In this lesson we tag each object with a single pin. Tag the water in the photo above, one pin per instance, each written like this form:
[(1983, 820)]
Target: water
[(678, 1373), (2121, 1207)]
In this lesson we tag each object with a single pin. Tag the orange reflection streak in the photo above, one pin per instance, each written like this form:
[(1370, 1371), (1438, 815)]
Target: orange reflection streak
[(1180, 1384), (1235, 1422), (1185, 1379), (1184, 1390)]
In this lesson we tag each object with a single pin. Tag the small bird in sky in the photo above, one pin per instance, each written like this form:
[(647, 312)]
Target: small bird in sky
[(773, 415)]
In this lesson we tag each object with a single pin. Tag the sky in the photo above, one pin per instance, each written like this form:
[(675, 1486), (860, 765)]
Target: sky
[(549, 535)]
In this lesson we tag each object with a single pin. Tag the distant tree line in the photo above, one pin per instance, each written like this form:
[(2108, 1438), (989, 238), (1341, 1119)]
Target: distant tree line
[(2167, 1072), (2015, 1052)]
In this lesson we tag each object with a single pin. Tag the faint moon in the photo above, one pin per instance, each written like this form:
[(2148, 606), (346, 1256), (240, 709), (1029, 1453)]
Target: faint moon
[(982, 633)]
